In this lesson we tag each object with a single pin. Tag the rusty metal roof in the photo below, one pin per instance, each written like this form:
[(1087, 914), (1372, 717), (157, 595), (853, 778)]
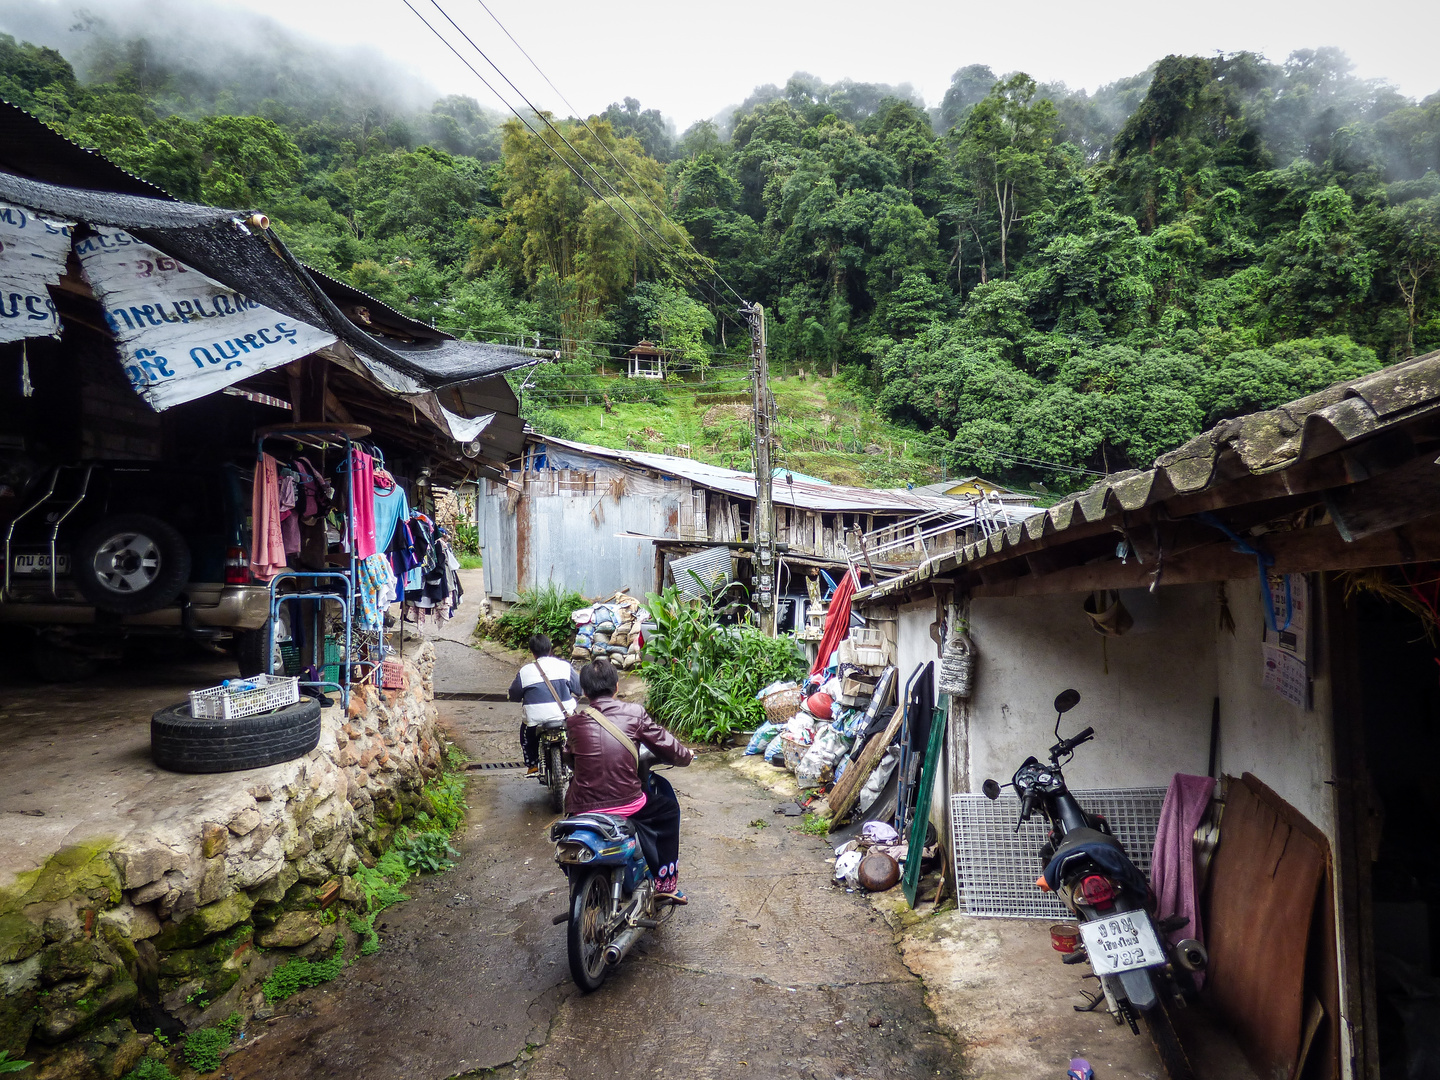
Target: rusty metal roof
[(806, 496), (1253, 445)]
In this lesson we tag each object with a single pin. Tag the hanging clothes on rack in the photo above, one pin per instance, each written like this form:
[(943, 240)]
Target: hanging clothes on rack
[(391, 508), (289, 520), (376, 587), (267, 545), (362, 513)]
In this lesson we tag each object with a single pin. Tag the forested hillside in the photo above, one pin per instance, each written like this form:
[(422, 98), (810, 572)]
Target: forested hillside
[(1034, 282)]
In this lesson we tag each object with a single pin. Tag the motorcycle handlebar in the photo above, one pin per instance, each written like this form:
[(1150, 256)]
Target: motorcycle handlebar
[(1027, 804)]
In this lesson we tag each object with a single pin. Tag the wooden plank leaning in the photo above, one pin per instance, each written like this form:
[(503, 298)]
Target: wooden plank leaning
[(848, 789)]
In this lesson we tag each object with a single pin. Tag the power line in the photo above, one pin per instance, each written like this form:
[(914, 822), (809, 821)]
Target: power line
[(579, 116), (561, 136), (578, 174)]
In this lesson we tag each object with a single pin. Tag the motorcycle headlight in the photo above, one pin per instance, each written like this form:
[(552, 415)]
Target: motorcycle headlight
[(572, 851)]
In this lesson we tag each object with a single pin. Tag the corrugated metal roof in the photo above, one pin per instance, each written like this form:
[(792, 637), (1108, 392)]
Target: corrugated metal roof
[(806, 496), (1253, 445), (713, 566)]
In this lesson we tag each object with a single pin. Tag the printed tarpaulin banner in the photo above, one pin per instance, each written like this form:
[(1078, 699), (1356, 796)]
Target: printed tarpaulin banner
[(183, 335), (32, 254)]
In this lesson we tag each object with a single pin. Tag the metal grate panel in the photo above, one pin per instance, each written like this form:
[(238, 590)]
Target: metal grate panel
[(996, 867)]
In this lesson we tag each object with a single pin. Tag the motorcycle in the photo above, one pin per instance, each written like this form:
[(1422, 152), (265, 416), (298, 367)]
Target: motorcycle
[(612, 893), (1086, 867), (554, 773)]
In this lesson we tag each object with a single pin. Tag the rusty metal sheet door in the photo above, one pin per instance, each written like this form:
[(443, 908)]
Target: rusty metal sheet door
[(1266, 896)]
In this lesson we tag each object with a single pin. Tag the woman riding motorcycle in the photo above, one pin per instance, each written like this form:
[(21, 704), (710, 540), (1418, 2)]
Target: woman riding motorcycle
[(606, 780)]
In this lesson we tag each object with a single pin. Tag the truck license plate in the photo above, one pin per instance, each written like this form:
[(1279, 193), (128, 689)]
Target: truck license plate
[(1122, 943), (39, 563)]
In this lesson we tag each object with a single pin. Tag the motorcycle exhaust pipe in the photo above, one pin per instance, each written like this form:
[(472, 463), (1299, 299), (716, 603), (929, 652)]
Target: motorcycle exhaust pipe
[(1191, 955), (616, 950)]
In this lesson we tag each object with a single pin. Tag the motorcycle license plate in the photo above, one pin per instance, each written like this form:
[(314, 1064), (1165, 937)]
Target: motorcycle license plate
[(39, 563), (1122, 942)]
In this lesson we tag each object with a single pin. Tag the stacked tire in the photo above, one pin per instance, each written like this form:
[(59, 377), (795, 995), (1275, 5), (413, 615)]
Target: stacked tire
[(181, 743)]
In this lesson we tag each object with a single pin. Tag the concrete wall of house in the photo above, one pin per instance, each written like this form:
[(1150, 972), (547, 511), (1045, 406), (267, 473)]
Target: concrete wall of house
[(1150, 710), (1289, 748)]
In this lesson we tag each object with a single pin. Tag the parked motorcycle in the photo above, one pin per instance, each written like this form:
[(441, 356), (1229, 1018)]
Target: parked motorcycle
[(554, 773), (612, 894), (1086, 867)]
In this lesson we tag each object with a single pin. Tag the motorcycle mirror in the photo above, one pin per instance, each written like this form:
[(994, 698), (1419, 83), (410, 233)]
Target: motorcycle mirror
[(991, 790), (1066, 700)]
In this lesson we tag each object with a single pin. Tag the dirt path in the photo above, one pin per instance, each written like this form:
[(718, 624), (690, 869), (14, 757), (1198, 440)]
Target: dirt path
[(770, 972)]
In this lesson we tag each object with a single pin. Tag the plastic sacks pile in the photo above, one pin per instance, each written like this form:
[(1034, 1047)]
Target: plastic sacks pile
[(814, 743), (614, 628)]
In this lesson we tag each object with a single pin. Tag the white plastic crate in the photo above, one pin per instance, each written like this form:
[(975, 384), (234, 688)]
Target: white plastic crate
[(244, 697)]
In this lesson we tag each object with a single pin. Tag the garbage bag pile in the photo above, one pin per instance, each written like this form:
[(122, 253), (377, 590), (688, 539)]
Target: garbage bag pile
[(615, 629), (836, 708)]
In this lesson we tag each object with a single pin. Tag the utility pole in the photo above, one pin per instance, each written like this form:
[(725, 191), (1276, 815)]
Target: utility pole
[(762, 527)]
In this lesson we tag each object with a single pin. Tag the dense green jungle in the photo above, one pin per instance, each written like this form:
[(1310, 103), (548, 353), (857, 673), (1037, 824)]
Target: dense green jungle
[(1022, 280)]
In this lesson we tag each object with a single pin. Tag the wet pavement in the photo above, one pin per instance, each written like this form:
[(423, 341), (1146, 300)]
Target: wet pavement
[(769, 972)]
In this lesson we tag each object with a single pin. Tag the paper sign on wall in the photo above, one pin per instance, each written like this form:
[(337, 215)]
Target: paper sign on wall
[(1284, 650), (183, 335), (32, 254)]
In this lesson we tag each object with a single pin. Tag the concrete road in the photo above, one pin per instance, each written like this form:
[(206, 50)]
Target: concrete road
[(770, 971)]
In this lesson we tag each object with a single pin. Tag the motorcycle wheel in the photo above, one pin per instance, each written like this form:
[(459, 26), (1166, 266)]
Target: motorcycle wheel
[(1167, 1043), (589, 900), (558, 782)]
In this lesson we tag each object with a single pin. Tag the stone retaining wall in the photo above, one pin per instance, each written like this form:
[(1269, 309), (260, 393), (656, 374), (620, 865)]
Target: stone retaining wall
[(109, 941)]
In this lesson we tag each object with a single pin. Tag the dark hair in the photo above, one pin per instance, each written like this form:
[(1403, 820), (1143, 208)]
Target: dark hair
[(540, 645), (599, 679)]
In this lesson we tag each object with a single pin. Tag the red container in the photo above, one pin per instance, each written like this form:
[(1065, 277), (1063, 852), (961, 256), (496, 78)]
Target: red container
[(1064, 937)]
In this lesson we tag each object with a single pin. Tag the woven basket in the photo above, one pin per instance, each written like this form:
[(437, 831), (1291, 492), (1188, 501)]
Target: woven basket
[(957, 667), (794, 751), (782, 705)]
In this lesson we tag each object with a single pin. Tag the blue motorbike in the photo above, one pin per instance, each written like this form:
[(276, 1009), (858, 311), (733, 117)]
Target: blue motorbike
[(612, 893)]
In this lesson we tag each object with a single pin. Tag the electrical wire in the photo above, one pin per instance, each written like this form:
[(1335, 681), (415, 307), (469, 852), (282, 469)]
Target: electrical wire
[(578, 115), (578, 174), (544, 119)]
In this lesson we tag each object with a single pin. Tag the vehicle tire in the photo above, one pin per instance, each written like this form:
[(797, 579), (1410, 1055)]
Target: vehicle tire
[(589, 900), (250, 652), (130, 564), (181, 743), (558, 781), (1167, 1044)]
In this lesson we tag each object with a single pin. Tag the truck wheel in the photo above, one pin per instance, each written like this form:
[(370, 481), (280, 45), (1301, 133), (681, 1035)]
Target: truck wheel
[(250, 648), (131, 563), (181, 743)]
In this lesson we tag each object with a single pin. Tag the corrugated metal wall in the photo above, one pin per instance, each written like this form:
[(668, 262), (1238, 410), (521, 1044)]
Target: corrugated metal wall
[(568, 521)]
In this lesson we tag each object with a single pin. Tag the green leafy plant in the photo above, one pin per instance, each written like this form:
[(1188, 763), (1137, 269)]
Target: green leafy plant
[(703, 676), (298, 974), (426, 852), (759, 823), (364, 925), (149, 1068), (204, 1048), (7, 1065), (447, 797), (545, 610), (815, 825)]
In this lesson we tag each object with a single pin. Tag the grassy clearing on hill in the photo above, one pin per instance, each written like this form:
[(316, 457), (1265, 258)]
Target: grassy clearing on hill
[(826, 428)]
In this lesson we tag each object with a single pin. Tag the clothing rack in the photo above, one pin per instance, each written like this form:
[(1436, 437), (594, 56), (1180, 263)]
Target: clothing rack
[(336, 583)]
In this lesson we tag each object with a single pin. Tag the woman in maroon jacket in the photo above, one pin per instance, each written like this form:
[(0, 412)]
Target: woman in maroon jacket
[(606, 780)]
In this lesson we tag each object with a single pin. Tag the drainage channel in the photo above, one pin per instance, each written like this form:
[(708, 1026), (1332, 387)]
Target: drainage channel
[(468, 695), (496, 765)]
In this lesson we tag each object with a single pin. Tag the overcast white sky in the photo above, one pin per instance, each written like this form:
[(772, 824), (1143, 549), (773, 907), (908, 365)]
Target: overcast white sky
[(690, 60)]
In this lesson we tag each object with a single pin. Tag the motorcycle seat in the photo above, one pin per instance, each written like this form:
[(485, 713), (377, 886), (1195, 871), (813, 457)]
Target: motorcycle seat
[(610, 826), (556, 724), (1104, 851)]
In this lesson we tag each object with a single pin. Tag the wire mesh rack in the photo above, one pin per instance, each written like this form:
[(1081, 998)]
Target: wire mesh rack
[(996, 867)]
